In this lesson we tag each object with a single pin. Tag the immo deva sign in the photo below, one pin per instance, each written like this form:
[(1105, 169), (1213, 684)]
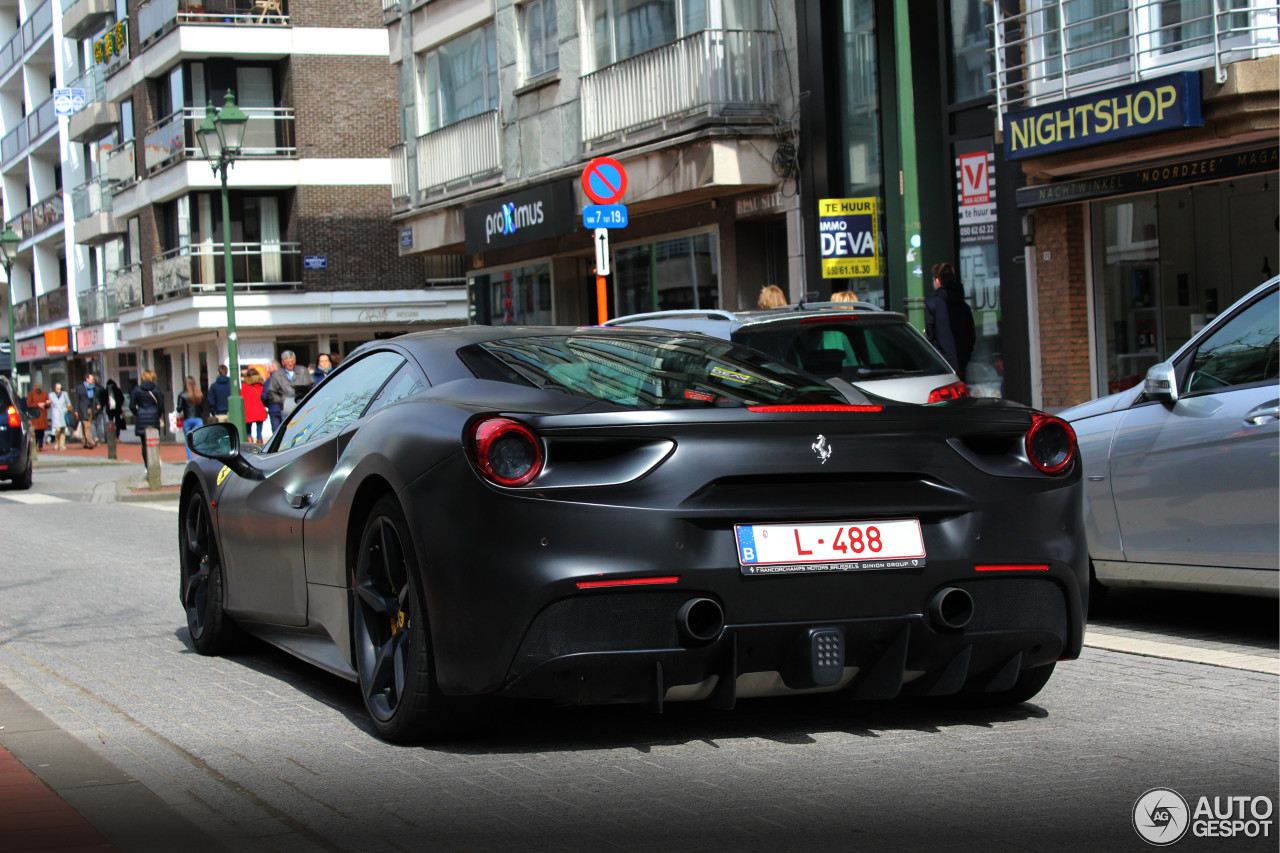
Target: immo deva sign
[(533, 214), (848, 237), (1147, 107)]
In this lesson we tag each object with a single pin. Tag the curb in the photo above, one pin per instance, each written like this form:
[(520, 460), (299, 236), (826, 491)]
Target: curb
[(126, 494), (125, 811)]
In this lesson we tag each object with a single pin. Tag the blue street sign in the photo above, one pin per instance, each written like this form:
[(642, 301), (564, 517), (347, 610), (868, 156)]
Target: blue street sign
[(604, 216), (315, 262)]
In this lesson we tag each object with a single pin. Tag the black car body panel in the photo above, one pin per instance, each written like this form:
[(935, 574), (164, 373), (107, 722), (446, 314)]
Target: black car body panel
[(654, 494), (17, 443)]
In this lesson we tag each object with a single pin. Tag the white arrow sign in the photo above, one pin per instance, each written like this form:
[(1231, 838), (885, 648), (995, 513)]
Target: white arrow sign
[(602, 251)]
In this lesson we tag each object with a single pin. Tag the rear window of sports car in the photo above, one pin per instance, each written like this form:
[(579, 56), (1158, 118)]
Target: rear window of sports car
[(645, 372)]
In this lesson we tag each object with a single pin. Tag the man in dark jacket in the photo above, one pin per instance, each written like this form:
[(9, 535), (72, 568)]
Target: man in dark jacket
[(285, 387), (948, 322), (219, 395), (90, 402)]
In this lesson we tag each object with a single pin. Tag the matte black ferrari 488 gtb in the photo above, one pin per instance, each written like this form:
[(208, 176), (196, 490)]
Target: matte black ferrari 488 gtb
[(629, 515)]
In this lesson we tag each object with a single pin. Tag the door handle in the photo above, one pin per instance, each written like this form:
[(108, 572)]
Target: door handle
[(301, 501), (1258, 417)]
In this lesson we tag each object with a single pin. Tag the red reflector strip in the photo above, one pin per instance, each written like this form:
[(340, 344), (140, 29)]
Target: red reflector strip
[(831, 408), (1013, 567), (626, 582)]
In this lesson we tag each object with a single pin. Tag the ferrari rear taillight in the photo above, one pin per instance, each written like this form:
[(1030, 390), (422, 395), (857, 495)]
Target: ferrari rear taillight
[(507, 452), (954, 391), (1050, 444), (14, 420)]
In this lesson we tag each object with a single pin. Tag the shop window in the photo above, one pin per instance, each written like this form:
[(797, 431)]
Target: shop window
[(972, 63), (683, 272), (458, 79), (520, 296), (541, 38)]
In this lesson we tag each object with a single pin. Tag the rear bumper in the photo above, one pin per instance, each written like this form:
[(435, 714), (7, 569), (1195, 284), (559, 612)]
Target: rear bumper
[(624, 647)]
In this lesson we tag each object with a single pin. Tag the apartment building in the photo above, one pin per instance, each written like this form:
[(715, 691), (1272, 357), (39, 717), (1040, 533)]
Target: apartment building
[(134, 274), (1147, 134), (504, 103)]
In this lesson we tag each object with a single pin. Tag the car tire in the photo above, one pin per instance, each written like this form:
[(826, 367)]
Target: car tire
[(202, 587), (25, 481), (391, 635)]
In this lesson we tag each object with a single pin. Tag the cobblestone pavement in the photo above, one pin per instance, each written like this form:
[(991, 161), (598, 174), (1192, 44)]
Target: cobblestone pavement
[(263, 753)]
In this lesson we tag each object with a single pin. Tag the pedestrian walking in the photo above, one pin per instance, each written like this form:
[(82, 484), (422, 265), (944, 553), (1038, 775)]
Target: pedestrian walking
[(190, 409), (220, 395), (285, 387), (59, 404), (90, 402), (146, 401), (115, 406), (38, 400), (948, 321), (254, 412)]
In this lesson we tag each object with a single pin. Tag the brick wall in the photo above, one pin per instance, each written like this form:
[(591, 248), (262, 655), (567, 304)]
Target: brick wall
[(1063, 301), (330, 13), (353, 228), (345, 106)]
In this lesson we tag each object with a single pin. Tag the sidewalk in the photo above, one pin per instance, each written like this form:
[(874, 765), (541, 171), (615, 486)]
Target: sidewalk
[(128, 450)]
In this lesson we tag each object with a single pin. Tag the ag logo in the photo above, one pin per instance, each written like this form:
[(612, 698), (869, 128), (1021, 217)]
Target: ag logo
[(1161, 816)]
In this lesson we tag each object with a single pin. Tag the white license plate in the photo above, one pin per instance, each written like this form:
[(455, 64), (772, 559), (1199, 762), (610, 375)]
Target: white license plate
[(765, 549)]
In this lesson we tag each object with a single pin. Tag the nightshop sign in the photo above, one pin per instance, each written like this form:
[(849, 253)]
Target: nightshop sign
[(1151, 106), (534, 214), (1194, 170)]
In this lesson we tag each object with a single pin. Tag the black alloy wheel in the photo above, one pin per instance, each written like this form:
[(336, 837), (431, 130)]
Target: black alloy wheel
[(202, 590), (389, 630)]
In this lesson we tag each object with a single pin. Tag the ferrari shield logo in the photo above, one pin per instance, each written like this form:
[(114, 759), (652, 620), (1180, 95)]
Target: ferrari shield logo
[(822, 448)]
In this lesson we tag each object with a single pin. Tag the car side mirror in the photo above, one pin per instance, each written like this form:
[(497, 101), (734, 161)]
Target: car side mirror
[(221, 443), (1162, 383)]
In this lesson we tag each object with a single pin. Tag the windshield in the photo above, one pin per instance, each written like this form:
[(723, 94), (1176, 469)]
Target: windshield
[(852, 348), (647, 371)]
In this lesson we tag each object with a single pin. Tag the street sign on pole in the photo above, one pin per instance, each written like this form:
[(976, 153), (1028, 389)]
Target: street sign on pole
[(602, 251), (604, 180), (604, 216)]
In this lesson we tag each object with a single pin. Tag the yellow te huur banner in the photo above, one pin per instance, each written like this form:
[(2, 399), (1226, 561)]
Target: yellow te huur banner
[(849, 237)]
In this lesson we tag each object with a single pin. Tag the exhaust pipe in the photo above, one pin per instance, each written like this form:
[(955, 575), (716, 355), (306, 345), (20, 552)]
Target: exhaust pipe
[(951, 608), (700, 619)]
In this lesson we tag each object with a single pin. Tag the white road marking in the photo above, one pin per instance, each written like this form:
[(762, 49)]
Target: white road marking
[(33, 498), (163, 507), (1177, 651)]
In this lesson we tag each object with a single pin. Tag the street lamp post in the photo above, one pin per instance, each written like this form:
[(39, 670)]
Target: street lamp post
[(8, 254), (221, 136)]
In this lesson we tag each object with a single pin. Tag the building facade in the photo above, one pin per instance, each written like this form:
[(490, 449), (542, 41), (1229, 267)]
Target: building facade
[(504, 103), (134, 273)]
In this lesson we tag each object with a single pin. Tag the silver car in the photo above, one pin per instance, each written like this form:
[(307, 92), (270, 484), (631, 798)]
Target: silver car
[(1182, 473)]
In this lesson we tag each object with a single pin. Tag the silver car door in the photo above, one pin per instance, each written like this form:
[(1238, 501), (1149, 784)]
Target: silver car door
[(1198, 483)]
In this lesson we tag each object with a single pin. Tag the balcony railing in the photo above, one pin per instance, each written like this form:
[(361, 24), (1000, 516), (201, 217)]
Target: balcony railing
[(715, 73), (466, 149), (93, 82), (25, 315), (27, 36), (127, 287), (399, 175), (120, 169), (38, 217), (52, 307), (269, 133), (39, 121), (97, 305), (1103, 45), (92, 197), (159, 16), (198, 268)]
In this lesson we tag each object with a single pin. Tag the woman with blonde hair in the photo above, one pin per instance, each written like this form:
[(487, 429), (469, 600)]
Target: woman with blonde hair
[(844, 296), (771, 296), (146, 401)]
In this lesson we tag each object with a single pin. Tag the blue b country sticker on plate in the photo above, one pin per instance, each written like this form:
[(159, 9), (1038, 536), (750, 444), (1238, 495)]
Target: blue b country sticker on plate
[(747, 546)]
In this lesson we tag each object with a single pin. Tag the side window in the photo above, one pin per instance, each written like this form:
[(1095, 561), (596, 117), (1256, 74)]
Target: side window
[(340, 400), (1241, 351), (405, 383)]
